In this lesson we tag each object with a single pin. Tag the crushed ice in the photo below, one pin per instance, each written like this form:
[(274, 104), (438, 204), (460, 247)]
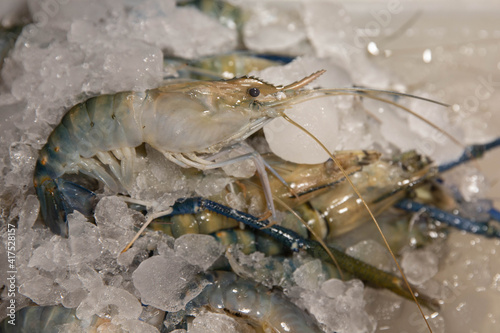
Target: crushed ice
[(84, 48)]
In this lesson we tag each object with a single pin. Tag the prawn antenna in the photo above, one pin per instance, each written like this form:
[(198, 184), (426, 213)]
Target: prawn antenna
[(370, 93), (337, 163), (430, 123)]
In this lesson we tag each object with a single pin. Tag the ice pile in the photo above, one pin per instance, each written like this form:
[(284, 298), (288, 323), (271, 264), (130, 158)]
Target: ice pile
[(160, 183), (76, 49), (336, 304), (86, 271), (82, 271), (169, 281), (80, 48)]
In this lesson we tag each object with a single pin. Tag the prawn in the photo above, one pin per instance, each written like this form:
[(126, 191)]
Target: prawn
[(269, 310), (248, 302), (98, 137), (224, 66)]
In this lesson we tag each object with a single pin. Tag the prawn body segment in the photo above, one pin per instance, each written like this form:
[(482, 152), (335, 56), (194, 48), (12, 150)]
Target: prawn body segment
[(103, 123), (269, 310), (186, 122)]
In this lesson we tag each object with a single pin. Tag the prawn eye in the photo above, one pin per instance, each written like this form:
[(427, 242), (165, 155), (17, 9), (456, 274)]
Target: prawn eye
[(254, 92)]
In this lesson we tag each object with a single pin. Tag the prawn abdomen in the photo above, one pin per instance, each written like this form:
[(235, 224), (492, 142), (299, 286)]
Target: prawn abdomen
[(95, 127), (105, 123)]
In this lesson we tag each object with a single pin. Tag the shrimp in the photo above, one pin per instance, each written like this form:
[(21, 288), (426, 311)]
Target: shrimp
[(248, 302), (50, 319), (225, 66), (410, 175), (187, 122), (98, 137), (269, 310)]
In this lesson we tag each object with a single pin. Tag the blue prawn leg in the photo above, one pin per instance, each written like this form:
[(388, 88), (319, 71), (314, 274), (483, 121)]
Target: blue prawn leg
[(195, 205), (470, 153), (450, 219), (363, 271), (494, 214)]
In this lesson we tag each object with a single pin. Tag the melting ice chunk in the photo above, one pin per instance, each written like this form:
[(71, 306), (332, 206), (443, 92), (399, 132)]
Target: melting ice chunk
[(320, 116), (101, 301), (167, 282), (217, 322), (204, 254), (419, 265)]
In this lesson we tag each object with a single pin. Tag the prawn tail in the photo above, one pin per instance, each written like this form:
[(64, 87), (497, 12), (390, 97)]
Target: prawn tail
[(58, 198)]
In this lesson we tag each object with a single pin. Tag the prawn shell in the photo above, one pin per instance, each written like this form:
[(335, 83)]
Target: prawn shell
[(267, 309), (104, 123), (177, 123)]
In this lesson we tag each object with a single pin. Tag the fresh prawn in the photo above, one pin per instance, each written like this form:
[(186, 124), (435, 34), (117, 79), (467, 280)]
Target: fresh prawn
[(248, 302), (187, 122), (270, 310), (98, 137)]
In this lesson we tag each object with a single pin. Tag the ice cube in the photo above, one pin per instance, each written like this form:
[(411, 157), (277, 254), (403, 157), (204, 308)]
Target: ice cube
[(109, 301), (277, 28), (167, 283), (319, 116), (339, 305), (199, 250), (309, 275), (167, 28), (42, 290), (419, 265), (29, 213), (208, 322), (329, 29), (115, 223)]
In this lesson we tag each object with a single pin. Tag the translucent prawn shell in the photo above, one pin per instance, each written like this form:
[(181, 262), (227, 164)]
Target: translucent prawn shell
[(204, 116)]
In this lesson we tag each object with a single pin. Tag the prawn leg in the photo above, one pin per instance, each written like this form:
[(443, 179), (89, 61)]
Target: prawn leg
[(450, 219), (260, 164), (470, 153)]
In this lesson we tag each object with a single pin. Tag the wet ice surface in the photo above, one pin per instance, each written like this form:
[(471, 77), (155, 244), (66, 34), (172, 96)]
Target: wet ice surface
[(419, 265), (95, 47), (344, 300)]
